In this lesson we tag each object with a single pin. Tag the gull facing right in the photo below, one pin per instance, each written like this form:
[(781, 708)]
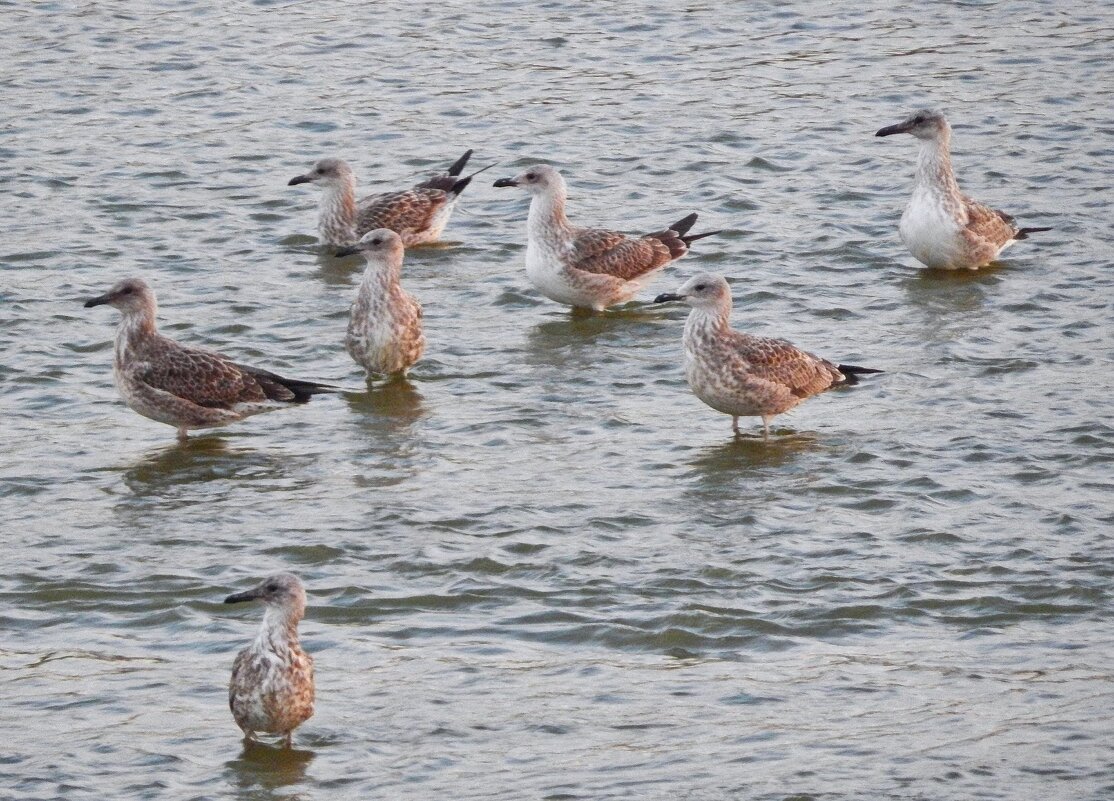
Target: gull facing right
[(385, 322), (589, 267), (942, 227), (743, 375)]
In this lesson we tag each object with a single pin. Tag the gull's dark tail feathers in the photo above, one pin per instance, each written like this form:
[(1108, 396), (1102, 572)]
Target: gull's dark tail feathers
[(1023, 233), (851, 372), (688, 240), (273, 385), (458, 165), (460, 185)]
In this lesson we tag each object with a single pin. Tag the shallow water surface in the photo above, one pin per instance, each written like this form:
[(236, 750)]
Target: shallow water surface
[(541, 568)]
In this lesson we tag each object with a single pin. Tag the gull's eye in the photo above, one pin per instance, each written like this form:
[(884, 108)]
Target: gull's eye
[(270, 586), (126, 290), (320, 170), (700, 287), (530, 176), (377, 241)]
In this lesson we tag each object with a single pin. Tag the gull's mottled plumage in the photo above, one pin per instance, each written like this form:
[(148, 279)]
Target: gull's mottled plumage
[(941, 226), (743, 375), (418, 214), (385, 321), (184, 386), (589, 267), (271, 689)]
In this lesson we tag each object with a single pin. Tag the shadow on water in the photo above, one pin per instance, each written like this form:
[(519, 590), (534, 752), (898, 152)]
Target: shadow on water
[(581, 330), (198, 459), (397, 400), (952, 302), (751, 452), (263, 767)]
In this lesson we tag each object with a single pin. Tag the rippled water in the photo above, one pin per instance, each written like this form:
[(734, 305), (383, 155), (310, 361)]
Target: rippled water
[(543, 569)]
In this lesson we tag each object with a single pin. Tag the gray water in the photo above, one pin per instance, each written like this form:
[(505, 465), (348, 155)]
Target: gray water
[(543, 569)]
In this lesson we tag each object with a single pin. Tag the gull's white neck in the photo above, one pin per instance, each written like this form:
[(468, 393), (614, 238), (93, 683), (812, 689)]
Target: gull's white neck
[(137, 326), (934, 167), (337, 223), (279, 630), (706, 321), (547, 214), (381, 274)]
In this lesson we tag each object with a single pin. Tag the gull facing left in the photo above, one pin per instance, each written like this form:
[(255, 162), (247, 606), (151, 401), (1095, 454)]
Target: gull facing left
[(942, 227), (271, 689), (385, 322), (590, 268), (418, 214), (181, 385), (744, 375)]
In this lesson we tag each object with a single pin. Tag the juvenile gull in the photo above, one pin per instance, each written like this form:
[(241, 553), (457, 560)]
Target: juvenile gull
[(418, 215), (743, 375), (184, 386), (589, 267), (271, 689), (385, 321), (942, 227)]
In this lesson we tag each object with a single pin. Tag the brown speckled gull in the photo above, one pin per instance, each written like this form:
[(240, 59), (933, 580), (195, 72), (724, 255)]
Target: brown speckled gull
[(385, 321), (418, 214), (743, 375), (271, 689), (184, 386), (941, 226), (589, 267)]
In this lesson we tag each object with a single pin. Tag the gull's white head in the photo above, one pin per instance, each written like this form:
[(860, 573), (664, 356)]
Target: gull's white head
[(537, 180), (283, 592), (130, 296), (705, 291), (327, 172), (381, 242), (923, 124)]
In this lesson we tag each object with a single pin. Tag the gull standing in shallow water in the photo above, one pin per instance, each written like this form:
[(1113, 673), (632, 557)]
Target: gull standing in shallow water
[(271, 689), (743, 375), (418, 215), (589, 267), (942, 227), (385, 321), (183, 386)]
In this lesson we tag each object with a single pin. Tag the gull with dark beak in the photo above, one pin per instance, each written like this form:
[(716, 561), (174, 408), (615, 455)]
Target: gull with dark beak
[(418, 214), (271, 690), (943, 228), (385, 321), (743, 375), (589, 267), (185, 386)]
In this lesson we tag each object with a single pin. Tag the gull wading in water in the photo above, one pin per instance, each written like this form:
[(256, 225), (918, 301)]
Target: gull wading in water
[(385, 321), (418, 215), (589, 267), (184, 386), (271, 690), (743, 375), (942, 227)]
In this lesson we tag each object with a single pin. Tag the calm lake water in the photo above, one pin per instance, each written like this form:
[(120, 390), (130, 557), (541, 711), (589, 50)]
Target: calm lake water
[(543, 569)]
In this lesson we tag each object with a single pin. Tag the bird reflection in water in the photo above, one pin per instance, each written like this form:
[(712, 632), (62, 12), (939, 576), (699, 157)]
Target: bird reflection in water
[(264, 766)]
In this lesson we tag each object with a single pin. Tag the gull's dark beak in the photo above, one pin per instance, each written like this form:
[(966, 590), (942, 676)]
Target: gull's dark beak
[(889, 130), (666, 297), (348, 250), (99, 300), (249, 595), (301, 179), (506, 182)]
